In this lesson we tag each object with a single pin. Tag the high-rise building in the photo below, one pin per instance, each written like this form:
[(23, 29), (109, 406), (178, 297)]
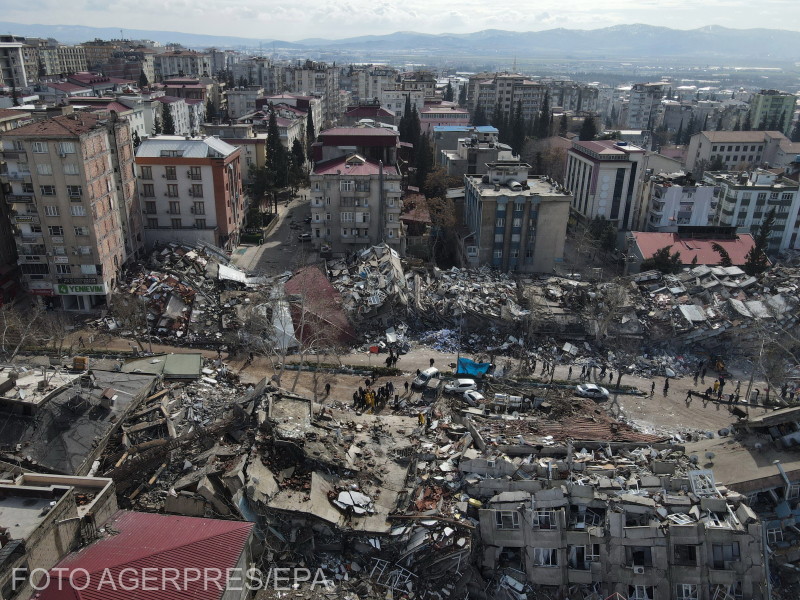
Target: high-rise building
[(602, 177), (645, 100), (74, 205), (771, 109), (13, 72)]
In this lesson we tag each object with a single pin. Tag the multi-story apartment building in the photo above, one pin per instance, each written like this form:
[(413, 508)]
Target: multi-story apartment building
[(602, 177), (745, 199), (735, 149), (9, 119), (179, 109), (316, 79), (433, 115), (98, 52), (771, 109), (252, 144), (644, 104), (356, 195), (603, 539), (517, 222), (242, 101), (13, 69), (393, 99), (181, 63), (261, 72), (474, 154), (505, 90), (423, 81), (677, 200), (191, 190), (368, 81), (74, 205)]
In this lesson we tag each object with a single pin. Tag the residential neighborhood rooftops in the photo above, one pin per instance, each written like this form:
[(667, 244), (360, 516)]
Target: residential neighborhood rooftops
[(71, 125)]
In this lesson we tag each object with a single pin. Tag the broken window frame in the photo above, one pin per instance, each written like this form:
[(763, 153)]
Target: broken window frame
[(724, 554), (544, 519), (506, 520), (545, 557), (687, 591), (631, 553), (774, 535), (685, 559), (721, 591), (794, 491), (581, 556), (641, 592)]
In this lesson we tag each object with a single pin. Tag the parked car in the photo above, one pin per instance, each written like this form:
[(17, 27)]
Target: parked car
[(304, 237), (459, 386), (421, 380), (590, 390), (474, 397), (307, 220)]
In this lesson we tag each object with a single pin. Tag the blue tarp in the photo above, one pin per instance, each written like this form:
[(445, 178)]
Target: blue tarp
[(470, 367)]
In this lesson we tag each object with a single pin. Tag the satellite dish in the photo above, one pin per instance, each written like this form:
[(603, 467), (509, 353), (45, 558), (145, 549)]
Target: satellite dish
[(710, 455), (694, 459)]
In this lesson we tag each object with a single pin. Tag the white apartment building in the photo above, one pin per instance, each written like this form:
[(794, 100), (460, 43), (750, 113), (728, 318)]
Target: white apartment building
[(644, 104), (736, 149), (394, 100), (181, 63), (602, 177), (242, 101), (12, 66), (369, 81), (677, 200), (180, 114), (745, 199)]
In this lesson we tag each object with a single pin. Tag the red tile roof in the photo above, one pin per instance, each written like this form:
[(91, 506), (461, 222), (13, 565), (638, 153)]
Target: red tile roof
[(650, 242), (9, 113), (62, 126), (139, 541), (68, 87)]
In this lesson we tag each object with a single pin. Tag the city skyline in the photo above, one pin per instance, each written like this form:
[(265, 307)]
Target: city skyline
[(335, 20)]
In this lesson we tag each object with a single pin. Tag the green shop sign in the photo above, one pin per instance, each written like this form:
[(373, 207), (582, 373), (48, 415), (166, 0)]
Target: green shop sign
[(94, 290)]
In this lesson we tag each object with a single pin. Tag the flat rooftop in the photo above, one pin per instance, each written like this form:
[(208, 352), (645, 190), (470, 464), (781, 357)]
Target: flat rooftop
[(22, 509), (22, 385)]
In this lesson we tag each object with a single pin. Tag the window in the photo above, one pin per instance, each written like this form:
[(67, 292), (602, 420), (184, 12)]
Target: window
[(71, 169), (81, 231), (580, 557), (55, 230), (88, 270), (506, 519), (686, 591), (517, 222), (146, 172), (66, 148), (74, 191), (175, 223), (472, 251), (391, 201), (199, 208), (640, 592), (497, 254), (172, 190), (51, 211), (39, 147), (174, 208), (170, 173), (346, 186), (794, 491), (391, 218), (774, 536), (195, 173), (196, 190), (152, 223), (63, 269), (84, 250), (200, 223), (77, 210), (44, 169), (543, 519), (59, 250), (545, 557), (639, 556), (27, 188), (149, 207), (316, 217), (685, 555), (347, 217), (501, 222), (724, 555), (148, 191), (327, 216), (34, 269), (391, 233)]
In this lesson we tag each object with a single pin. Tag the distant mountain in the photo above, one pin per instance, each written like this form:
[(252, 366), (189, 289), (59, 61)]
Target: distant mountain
[(621, 41)]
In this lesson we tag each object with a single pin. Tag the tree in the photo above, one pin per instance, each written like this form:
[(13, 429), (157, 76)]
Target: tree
[(444, 236), (404, 128), (136, 140), (423, 155), (277, 160), (544, 117), (724, 257), (663, 260), (795, 136), (437, 182), (297, 174), (167, 122), (157, 128), (462, 96), (756, 261), (588, 130), (211, 110), (18, 326), (679, 134), (517, 130), (603, 231), (311, 135), (130, 311), (143, 83), (748, 124), (563, 125), (479, 117), (448, 92)]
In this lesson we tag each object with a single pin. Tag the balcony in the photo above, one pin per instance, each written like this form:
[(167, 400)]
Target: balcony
[(12, 154), (17, 175), (29, 238), (19, 199)]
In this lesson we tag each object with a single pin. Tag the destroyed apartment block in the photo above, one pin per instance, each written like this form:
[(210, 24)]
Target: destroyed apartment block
[(638, 521)]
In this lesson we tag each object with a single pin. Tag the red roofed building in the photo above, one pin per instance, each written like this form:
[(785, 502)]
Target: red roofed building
[(156, 557), (373, 112), (643, 245)]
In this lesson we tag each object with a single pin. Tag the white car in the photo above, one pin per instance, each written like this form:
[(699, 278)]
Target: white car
[(474, 397), (590, 390), (459, 386)]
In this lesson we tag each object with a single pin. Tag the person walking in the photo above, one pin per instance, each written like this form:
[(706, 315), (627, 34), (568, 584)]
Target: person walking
[(652, 389), (716, 385), (569, 373), (666, 386), (406, 386), (703, 375), (327, 389), (432, 361), (696, 377)]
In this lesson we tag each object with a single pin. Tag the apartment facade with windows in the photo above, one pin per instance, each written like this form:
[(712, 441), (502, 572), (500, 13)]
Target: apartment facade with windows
[(190, 190), (745, 199), (771, 109), (70, 207), (517, 222), (676, 200), (734, 150), (644, 105), (602, 177), (181, 63)]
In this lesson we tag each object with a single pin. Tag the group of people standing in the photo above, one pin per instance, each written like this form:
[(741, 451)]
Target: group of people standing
[(371, 398)]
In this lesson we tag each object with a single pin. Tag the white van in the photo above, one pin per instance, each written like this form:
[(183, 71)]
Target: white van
[(421, 380)]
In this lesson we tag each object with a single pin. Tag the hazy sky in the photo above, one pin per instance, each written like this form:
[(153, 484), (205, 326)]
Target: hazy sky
[(297, 19)]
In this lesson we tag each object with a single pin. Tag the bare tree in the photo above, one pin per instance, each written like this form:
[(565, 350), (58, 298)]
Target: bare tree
[(17, 327), (130, 311)]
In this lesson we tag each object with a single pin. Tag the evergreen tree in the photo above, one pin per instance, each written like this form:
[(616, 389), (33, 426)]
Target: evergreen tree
[(724, 257), (763, 125), (136, 140), (448, 92), (795, 137), (613, 117), (544, 117), (143, 83), (705, 124), (588, 130), (462, 96), (157, 128), (414, 127), (404, 128), (167, 122), (423, 159), (737, 126), (748, 124), (563, 126), (756, 261), (277, 159), (211, 110), (662, 260), (719, 123), (679, 134), (297, 165), (479, 118), (311, 135), (687, 136), (518, 130)]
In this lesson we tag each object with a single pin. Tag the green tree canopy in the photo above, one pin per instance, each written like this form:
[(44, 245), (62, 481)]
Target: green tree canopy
[(663, 260), (588, 129), (724, 257), (756, 261), (167, 122)]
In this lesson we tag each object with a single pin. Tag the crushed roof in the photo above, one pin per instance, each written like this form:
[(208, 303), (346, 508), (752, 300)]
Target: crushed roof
[(72, 125), (650, 242)]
